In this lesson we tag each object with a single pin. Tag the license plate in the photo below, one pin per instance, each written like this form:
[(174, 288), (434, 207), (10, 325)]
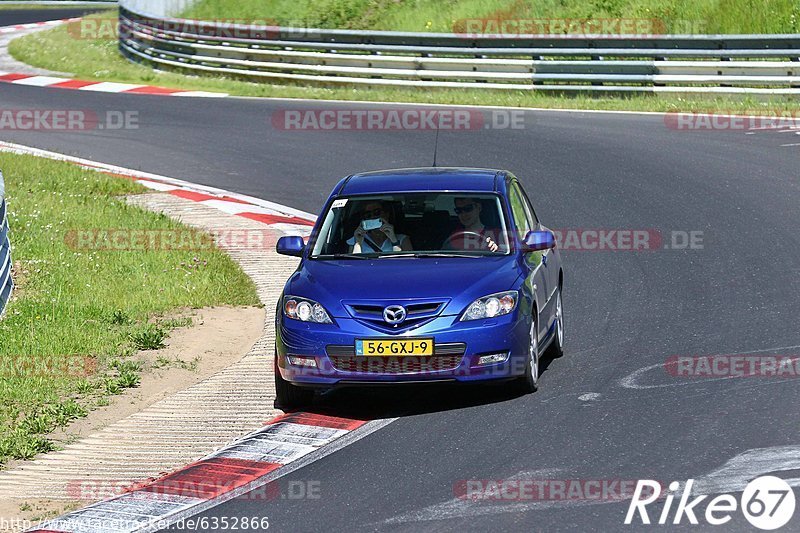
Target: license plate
[(394, 348)]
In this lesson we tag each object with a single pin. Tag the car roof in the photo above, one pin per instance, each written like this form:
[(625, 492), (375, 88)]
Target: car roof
[(422, 179)]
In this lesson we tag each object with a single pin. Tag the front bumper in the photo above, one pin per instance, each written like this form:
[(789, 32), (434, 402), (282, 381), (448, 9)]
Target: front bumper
[(459, 345)]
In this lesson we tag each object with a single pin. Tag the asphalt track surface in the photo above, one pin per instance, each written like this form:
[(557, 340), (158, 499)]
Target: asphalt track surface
[(10, 16), (626, 311)]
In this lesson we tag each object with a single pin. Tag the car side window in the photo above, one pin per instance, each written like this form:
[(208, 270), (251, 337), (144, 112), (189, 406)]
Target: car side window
[(520, 211), (528, 207)]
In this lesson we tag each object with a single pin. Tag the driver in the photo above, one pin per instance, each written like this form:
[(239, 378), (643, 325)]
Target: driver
[(375, 233), (465, 235)]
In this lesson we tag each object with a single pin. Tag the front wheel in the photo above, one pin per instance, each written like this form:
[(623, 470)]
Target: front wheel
[(557, 346), (529, 382), (288, 396)]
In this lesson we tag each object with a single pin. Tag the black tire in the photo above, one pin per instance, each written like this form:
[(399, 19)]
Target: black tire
[(290, 397), (556, 348), (529, 383)]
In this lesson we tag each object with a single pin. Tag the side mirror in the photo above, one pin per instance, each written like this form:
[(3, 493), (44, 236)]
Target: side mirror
[(290, 245), (539, 240)]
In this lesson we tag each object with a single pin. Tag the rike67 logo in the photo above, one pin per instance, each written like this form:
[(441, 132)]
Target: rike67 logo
[(767, 503)]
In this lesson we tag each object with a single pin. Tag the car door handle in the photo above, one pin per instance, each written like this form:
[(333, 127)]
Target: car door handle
[(544, 259)]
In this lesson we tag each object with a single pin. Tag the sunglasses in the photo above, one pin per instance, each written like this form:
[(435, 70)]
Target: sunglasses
[(466, 209), (373, 213)]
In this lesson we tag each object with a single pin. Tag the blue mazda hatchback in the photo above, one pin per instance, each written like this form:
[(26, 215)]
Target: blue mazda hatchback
[(419, 275)]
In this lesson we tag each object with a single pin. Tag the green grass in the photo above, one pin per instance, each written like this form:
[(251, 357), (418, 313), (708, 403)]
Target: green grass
[(74, 303), (149, 338), (704, 16), (99, 59)]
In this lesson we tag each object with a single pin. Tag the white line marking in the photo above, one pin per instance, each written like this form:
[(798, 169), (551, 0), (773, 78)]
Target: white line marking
[(231, 208), (469, 106), (738, 471), (200, 94), (110, 87), (292, 229), (157, 186), (456, 106), (38, 81)]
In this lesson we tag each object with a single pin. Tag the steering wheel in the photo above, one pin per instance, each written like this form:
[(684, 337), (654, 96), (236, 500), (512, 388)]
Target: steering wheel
[(448, 243)]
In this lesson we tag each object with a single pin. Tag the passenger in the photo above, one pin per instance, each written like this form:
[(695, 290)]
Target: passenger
[(470, 228), (375, 233)]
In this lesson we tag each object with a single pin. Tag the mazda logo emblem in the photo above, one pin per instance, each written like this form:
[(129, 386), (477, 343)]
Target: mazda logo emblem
[(394, 314)]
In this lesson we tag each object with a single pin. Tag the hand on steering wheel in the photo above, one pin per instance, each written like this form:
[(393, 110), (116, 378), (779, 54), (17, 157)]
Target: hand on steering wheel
[(486, 243)]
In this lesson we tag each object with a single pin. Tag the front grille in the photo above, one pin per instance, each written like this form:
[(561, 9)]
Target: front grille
[(395, 365), (450, 348), (414, 311), (370, 313), (341, 350)]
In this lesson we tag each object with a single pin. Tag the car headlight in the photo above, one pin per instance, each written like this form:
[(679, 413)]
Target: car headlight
[(501, 303), (305, 310)]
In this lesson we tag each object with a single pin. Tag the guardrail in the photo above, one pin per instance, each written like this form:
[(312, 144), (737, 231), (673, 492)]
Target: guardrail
[(680, 63), (6, 283)]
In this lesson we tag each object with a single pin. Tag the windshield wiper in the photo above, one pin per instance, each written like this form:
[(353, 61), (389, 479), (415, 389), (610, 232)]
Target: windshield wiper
[(388, 256), (430, 254), (344, 256)]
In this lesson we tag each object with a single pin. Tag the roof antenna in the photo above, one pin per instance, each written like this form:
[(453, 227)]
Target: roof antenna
[(436, 141)]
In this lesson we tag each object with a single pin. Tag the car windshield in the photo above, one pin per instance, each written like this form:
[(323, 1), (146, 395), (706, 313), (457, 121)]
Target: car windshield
[(413, 224)]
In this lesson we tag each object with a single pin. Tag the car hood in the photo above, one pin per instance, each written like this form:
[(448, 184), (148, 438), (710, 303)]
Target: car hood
[(456, 280)]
